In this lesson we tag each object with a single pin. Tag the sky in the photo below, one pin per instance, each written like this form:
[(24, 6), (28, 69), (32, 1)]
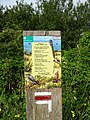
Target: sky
[(13, 2)]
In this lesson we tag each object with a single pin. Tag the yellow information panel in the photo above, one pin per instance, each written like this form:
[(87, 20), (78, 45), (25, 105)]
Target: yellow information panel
[(42, 61)]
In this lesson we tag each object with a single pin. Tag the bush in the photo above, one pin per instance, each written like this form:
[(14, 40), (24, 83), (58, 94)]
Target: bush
[(76, 81), (12, 99)]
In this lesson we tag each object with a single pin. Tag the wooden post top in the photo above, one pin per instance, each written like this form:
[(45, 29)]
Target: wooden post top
[(42, 33)]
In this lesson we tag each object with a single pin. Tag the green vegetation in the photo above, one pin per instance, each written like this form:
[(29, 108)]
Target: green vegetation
[(76, 81), (74, 23), (12, 98)]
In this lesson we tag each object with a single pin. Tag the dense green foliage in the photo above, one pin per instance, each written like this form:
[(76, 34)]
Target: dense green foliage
[(49, 15), (11, 71), (76, 81), (74, 22)]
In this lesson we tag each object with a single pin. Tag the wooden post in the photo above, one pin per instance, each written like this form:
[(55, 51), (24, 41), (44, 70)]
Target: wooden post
[(40, 111), (43, 104)]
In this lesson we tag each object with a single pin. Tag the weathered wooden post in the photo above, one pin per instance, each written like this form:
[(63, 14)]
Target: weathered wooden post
[(42, 59)]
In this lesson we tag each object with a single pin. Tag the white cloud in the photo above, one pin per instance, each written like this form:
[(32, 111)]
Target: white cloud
[(76, 1), (13, 2)]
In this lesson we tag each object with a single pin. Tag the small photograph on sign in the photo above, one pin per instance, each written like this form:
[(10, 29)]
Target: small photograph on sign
[(42, 61)]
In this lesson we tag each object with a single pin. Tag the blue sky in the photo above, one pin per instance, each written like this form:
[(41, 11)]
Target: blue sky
[(12, 2)]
